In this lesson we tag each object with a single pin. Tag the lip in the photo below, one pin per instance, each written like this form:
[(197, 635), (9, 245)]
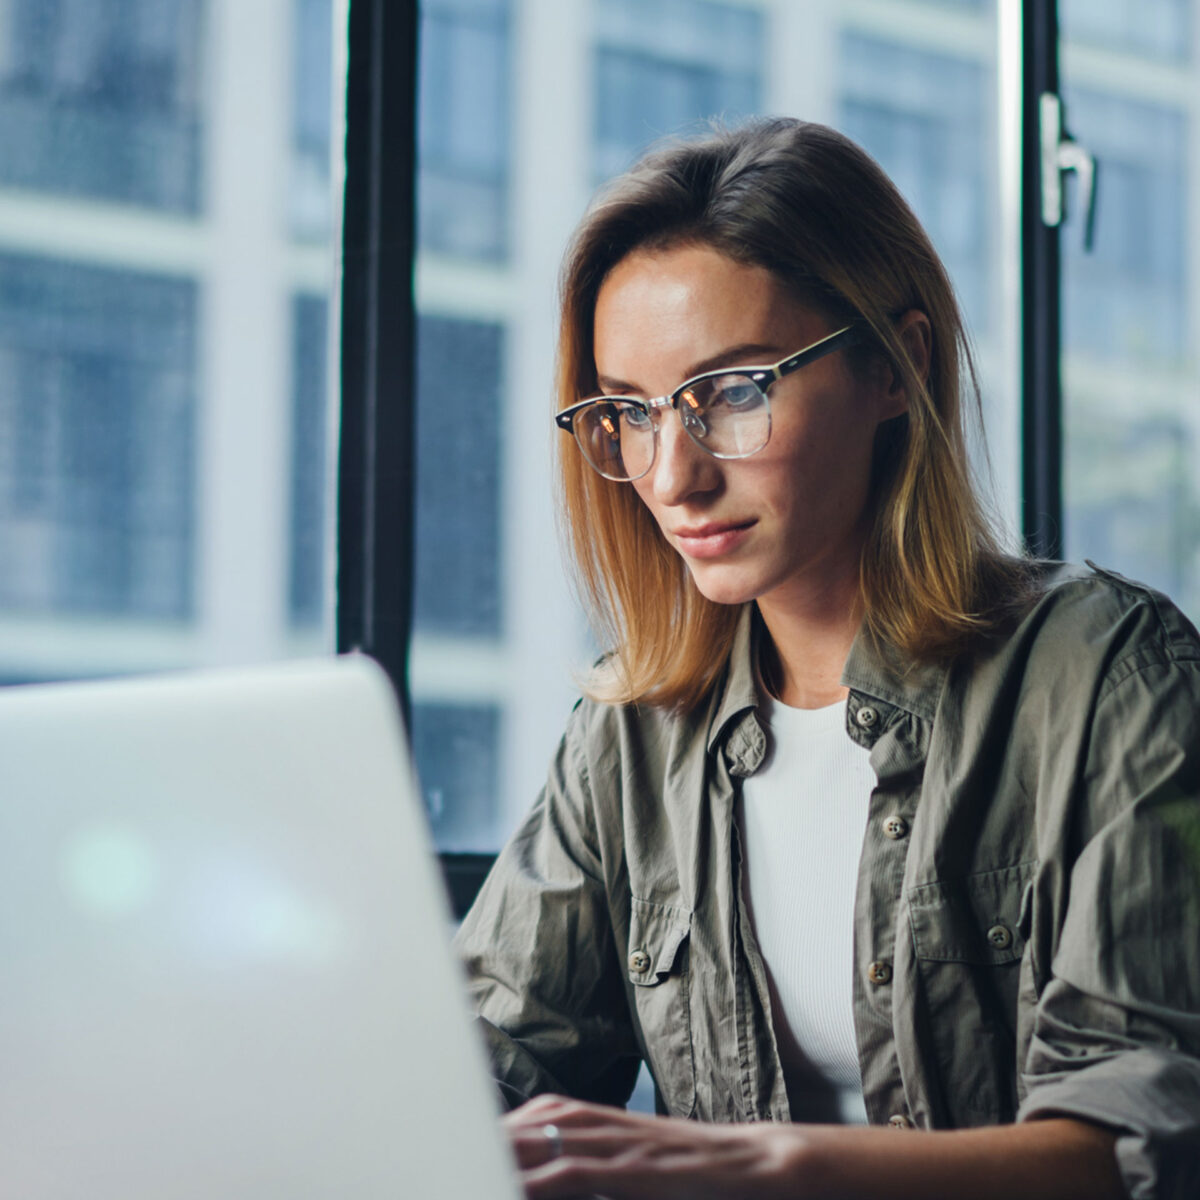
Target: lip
[(713, 539)]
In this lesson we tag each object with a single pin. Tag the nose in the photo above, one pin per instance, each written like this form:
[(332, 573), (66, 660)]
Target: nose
[(681, 469)]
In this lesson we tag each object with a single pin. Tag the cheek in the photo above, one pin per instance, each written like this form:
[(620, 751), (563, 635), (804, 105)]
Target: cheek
[(835, 447), (819, 483)]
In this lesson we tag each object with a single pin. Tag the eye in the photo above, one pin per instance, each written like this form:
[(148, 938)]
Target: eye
[(735, 393), (633, 419)]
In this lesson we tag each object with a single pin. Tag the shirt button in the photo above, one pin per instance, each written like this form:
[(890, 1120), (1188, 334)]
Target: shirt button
[(899, 1121), (639, 962), (895, 827), (880, 972), (1000, 937), (866, 717)]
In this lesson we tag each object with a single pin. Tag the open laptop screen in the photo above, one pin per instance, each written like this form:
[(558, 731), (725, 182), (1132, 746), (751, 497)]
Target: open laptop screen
[(225, 948)]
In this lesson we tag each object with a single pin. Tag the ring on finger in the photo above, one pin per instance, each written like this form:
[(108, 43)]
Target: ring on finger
[(553, 1136)]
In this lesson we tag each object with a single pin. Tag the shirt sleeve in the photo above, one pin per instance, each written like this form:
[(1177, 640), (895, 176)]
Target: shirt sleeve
[(540, 955), (1116, 1037)]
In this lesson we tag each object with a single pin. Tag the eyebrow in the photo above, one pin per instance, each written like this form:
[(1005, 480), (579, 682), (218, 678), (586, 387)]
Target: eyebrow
[(731, 356)]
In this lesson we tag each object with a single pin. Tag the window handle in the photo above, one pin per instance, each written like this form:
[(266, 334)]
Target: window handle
[(1061, 153)]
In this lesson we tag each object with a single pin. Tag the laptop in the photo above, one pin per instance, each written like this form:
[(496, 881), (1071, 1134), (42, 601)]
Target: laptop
[(225, 949)]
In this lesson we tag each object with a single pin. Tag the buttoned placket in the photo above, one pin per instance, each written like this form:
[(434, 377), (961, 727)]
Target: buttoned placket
[(763, 1090), (897, 737), (898, 743)]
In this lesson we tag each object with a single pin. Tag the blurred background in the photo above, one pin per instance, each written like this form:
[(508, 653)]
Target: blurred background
[(169, 244)]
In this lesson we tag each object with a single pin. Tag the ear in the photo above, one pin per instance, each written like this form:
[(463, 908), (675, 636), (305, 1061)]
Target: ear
[(916, 335)]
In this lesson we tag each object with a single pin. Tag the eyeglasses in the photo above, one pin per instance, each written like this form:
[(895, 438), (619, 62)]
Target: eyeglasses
[(725, 412)]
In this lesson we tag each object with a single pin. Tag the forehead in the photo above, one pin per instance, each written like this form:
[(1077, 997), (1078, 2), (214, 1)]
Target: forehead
[(659, 313)]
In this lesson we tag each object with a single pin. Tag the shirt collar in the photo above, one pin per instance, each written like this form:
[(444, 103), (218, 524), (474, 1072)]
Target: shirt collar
[(881, 672), (738, 691), (885, 674)]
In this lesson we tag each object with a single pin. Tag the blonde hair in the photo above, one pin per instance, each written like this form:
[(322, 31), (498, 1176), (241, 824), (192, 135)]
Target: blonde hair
[(809, 205)]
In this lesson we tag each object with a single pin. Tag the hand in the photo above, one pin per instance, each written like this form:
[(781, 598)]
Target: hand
[(630, 1156)]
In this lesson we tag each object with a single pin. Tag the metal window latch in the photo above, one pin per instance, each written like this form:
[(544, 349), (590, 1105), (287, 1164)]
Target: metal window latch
[(1062, 153)]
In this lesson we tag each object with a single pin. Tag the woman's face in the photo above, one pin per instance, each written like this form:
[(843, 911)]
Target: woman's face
[(787, 524)]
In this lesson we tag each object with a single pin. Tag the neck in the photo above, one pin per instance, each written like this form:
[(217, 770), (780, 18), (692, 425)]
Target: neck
[(810, 639)]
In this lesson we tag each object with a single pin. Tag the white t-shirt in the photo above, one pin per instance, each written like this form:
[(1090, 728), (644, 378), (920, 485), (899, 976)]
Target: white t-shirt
[(803, 818)]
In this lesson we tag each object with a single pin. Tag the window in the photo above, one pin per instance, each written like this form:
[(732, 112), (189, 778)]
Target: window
[(463, 135), (310, 194), (1126, 300), (1130, 307), (309, 452), (165, 267), (459, 450), (97, 429), (497, 638), (1155, 29), (458, 746), (102, 98), (921, 114), (487, 589), (664, 66), (166, 234)]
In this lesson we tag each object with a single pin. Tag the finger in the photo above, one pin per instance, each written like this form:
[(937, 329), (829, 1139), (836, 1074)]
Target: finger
[(533, 1147)]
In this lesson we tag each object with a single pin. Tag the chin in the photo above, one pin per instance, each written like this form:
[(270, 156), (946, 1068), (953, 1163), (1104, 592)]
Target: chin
[(723, 590)]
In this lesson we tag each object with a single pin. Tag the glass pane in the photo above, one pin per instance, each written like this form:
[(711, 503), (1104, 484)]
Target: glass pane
[(1131, 372), (1147, 28), (98, 441), (458, 447), (920, 112), (463, 126), (664, 66), (165, 268), (524, 108), (103, 99)]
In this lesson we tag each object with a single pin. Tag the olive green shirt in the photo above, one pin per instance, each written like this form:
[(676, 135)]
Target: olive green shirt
[(1027, 917)]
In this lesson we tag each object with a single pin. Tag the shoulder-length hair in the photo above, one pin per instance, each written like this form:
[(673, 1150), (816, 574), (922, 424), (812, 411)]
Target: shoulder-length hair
[(810, 206)]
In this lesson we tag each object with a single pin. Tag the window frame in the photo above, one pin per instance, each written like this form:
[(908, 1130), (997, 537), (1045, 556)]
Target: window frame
[(375, 489)]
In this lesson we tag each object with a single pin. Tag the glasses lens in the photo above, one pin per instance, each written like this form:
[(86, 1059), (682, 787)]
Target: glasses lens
[(617, 438), (726, 414)]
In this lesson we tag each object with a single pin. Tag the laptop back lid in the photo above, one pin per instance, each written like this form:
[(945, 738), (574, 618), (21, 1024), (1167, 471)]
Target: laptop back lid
[(225, 949)]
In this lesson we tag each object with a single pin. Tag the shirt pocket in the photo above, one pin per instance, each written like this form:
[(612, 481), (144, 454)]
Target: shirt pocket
[(977, 919), (657, 967), (969, 939)]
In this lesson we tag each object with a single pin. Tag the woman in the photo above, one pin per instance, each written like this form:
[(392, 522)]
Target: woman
[(862, 817)]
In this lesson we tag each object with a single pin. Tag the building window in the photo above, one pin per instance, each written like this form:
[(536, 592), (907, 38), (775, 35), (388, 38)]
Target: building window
[(306, 575), (458, 749), (310, 196), (920, 114), (459, 449), (462, 139), (1157, 28), (664, 66), (1127, 299), (101, 98), (96, 441), (1131, 499)]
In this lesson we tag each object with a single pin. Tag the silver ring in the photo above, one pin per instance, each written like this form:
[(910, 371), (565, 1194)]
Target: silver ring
[(553, 1135)]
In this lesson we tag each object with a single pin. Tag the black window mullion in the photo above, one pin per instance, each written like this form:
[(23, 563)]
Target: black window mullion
[(1041, 322), (375, 463)]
